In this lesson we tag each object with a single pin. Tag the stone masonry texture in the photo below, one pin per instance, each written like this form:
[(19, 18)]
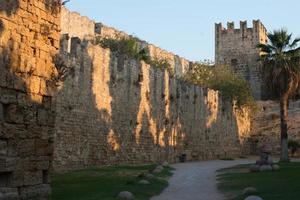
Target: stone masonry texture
[(238, 48), (112, 110), (266, 126), (29, 37)]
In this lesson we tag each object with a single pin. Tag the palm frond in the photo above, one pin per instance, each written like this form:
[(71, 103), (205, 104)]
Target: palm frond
[(293, 52), (294, 43), (265, 48)]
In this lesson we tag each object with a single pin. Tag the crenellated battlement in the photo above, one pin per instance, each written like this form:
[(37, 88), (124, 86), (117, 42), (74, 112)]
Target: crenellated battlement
[(75, 25), (257, 26)]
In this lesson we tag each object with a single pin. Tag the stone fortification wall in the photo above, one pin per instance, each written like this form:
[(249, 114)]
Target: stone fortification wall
[(111, 110), (76, 25), (266, 125), (29, 32)]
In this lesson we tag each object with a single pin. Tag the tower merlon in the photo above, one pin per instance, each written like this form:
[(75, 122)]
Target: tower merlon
[(218, 27), (257, 25), (243, 25)]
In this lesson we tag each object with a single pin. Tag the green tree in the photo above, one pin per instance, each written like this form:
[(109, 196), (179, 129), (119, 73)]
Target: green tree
[(280, 59), (223, 79)]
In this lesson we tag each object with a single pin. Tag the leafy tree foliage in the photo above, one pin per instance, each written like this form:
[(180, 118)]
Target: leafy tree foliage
[(223, 79)]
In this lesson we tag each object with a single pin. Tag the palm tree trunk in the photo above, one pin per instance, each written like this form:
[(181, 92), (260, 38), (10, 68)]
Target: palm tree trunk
[(283, 125)]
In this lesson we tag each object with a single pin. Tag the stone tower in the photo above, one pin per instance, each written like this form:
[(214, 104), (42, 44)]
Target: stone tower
[(237, 48)]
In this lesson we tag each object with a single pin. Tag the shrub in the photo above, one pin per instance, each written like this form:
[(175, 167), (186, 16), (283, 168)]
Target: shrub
[(162, 63), (126, 46), (223, 79), (131, 48)]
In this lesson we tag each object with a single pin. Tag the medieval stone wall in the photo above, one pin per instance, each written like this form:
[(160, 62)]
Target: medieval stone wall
[(266, 126), (76, 25), (29, 38), (238, 48), (116, 111)]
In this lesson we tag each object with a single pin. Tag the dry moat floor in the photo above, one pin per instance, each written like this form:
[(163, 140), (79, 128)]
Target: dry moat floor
[(209, 180)]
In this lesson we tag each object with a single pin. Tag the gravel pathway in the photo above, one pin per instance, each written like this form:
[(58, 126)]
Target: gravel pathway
[(196, 181)]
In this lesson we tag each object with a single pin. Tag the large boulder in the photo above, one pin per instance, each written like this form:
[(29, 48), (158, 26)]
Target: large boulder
[(270, 161), (253, 198), (265, 168), (150, 176), (126, 195)]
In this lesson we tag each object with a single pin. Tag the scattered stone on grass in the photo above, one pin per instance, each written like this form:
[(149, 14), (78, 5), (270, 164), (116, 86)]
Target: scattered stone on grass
[(165, 164), (150, 176), (253, 198), (144, 182), (275, 167), (158, 169), (126, 195), (249, 191)]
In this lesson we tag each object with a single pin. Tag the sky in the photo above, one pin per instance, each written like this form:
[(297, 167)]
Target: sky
[(186, 27)]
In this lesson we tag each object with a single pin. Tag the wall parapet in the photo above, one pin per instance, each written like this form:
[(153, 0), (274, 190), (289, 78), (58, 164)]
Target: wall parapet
[(257, 26), (82, 27)]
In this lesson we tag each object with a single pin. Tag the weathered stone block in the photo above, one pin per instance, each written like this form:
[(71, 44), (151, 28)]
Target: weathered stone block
[(8, 193), (26, 147), (43, 147), (13, 113), (3, 147), (33, 177), (35, 192), (1, 112), (43, 117)]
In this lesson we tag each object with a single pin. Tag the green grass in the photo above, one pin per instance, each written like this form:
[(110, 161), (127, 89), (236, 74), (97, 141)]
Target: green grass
[(278, 185), (106, 182)]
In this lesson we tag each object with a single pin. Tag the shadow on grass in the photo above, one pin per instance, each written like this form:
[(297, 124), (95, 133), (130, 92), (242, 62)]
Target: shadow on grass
[(106, 182)]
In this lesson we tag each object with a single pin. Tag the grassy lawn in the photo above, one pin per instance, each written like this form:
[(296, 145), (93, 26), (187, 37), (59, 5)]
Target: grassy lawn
[(106, 182), (279, 185)]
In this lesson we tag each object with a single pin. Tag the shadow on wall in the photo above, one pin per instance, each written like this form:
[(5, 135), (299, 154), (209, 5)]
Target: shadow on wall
[(111, 110), (114, 110), (26, 119)]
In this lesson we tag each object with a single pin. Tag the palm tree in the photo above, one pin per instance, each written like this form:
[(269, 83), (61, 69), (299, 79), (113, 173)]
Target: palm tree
[(280, 59)]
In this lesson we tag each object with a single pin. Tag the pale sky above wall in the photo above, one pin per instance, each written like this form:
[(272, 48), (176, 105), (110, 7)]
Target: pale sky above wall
[(186, 27)]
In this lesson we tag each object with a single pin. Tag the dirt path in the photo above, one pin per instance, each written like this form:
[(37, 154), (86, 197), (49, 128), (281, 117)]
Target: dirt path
[(196, 181)]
